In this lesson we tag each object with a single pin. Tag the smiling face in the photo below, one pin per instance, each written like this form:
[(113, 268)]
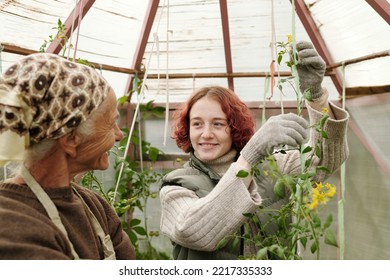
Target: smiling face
[(210, 133)]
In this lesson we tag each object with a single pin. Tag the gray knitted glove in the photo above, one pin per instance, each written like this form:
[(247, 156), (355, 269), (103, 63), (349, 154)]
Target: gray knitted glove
[(288, 129), (311, 69)]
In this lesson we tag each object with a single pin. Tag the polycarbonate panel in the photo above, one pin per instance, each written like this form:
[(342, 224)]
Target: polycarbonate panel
[(187, 38)]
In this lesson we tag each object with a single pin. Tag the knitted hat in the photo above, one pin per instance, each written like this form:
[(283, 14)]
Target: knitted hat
[(45, 96)]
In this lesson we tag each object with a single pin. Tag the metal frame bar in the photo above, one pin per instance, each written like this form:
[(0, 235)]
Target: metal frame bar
[(226, 41), (315, 36), (382, 8), (56, 46), (143, 40)]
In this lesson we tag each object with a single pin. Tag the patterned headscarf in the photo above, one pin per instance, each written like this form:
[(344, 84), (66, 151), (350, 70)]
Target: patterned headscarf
[(44, 96)]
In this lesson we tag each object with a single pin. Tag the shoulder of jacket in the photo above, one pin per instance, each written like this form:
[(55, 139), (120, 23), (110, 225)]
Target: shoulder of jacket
[(189, 178)]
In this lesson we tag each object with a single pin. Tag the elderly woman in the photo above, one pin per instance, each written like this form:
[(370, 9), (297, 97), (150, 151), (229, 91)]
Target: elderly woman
[(204, 202), (59, 119)]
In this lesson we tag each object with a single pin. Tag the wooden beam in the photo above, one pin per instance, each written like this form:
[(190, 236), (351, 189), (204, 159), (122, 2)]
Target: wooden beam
[(16, 49), (214, 75), (350, 92), (382, 7), (315, 36), (142, 41), (23, 51), (362, 91), (74, 19), (359, 59), (226, 41)]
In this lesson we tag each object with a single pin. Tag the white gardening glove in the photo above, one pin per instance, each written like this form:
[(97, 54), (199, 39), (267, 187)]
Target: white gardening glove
[(288, 129), (311, 70)]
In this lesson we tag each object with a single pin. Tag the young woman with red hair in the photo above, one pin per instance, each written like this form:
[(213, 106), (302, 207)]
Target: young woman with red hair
[(204, 201)]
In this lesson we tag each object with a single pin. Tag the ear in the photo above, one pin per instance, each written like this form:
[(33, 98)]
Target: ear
[(69, 143)]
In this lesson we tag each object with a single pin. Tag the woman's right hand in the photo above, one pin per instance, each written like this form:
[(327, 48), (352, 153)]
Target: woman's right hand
[(287, 129)]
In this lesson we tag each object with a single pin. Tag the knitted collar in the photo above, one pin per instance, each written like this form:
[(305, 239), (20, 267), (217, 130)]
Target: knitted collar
[(221, 164)]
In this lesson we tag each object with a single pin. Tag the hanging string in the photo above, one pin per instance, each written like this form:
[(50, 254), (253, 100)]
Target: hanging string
[(157, 42), (341, 206), (78, 30), (296, 83), (140, 142), (167, 82), (131, 132), (273, 51), (136, 112), (294, 62), (266, 88), (193, 82)]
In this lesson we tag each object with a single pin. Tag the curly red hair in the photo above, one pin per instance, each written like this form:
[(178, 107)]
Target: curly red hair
[(237, 113)]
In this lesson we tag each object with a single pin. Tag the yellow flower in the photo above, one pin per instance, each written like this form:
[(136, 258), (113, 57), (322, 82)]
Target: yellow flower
[(321, 194), (265, 173), (331, 190), (313, 205), (320, 198), (289, 38), (325, 110)]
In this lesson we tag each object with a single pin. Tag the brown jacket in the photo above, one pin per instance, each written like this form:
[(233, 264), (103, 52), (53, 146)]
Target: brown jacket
[(26, 232)]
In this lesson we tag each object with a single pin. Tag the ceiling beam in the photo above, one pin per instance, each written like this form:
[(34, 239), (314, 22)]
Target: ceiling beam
[(142, 41), (24, 51), (363, 91), (226, 41), (382, 7), (315, 36), (72, 22)]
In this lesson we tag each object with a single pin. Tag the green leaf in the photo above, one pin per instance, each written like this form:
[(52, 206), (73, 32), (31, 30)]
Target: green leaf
[(316, 222), (323, 120), (303, 242), (139, 230), (262, 253), (135, 222), (328, 221), (236, 242), (318, 151), (313, 248), (222, 243), (307, 162), (122, 100), (153, 153), (323, 168), (330, 238), (242, 174), (279, 188), (324, 134), (133, 238), (307, 149), (248, 215)]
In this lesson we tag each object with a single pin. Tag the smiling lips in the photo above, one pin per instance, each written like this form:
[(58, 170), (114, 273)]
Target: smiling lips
[(207, 146)]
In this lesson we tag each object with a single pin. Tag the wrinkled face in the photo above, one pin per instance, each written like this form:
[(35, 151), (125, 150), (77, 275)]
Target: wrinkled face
[(93, 152), (210, 134)]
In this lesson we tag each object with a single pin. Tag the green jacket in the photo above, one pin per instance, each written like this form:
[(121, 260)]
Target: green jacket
[(197, 177)]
